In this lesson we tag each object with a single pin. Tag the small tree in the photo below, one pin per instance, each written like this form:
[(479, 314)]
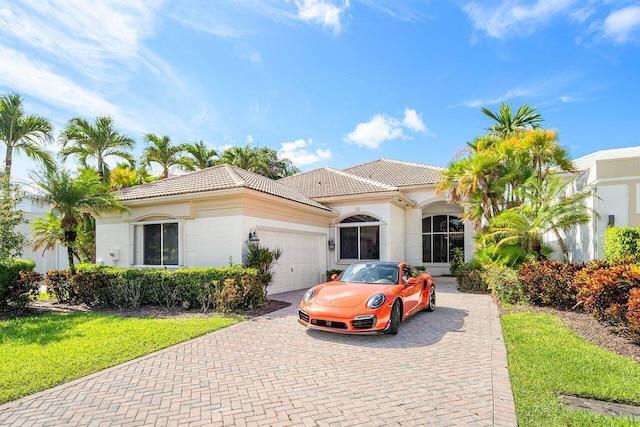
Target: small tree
[(74, 200), (11, 240), (262, 259)]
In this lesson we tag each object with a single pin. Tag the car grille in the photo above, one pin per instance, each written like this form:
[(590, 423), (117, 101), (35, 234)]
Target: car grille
[(364, 322), (303, 316), (329, 324)]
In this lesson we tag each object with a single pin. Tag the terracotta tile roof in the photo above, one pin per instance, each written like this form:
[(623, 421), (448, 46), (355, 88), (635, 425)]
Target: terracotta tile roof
[(219, 177), (327, 182), (398, 173)]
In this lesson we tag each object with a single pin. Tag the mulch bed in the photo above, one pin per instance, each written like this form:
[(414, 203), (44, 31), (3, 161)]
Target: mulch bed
[(48, 306)]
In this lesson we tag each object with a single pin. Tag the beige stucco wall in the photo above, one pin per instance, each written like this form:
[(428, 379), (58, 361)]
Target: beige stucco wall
[(214, 229)]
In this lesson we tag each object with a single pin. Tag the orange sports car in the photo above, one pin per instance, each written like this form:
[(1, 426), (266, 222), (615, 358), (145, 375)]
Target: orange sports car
[(368, 297)]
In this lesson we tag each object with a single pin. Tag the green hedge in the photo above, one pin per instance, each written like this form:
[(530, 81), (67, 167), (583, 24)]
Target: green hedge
[(622, 242), (224, 289), (19, 284)]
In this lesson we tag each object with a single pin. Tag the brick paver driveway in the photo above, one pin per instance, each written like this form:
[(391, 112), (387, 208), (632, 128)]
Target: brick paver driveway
[(443, 368)]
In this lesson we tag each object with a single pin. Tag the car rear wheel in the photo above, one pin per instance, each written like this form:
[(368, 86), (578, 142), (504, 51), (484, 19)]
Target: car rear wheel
[(394, 321), (431, 305)]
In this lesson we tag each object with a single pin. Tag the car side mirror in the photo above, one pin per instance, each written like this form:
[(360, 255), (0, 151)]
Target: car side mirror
[(334, 277), (412, 281)]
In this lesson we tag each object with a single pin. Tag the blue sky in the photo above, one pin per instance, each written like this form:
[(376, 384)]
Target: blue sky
[(328, 82)]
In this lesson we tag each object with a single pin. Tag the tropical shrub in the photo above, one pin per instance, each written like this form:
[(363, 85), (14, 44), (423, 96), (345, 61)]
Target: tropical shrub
[(504, 284), (457, 260), (605, 291), (548, 283), (469, 278), (59, 285), (19, 284), (633, 312), (622, 242), (262, 259)]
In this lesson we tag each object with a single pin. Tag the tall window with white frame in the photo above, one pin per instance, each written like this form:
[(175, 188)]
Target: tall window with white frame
[(157, 244), (359, 238), (440, 235)]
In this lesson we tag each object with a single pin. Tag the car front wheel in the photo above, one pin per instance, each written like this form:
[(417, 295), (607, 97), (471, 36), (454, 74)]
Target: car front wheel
[(431, 305), (394, 321)]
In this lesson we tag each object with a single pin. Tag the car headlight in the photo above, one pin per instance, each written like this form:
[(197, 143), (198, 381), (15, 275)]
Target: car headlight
[(308, 295), (376, 301)]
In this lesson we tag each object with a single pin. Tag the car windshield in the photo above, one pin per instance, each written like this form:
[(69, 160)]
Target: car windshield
[(370, 273)]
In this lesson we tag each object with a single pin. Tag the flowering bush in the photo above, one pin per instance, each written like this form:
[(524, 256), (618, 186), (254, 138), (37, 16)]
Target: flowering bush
[(633, 312), (548, 283), (605, 291)]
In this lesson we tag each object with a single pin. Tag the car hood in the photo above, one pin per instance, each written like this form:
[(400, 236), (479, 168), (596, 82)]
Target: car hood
[(346, 294)]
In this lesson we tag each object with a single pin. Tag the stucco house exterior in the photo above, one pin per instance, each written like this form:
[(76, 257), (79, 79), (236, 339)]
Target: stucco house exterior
[(323, 219), (612, 178)]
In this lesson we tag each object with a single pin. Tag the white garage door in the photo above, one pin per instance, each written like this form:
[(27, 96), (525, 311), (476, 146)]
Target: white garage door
[(303, 262)]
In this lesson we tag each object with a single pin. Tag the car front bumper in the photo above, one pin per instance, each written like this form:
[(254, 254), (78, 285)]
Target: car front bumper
[(357, 324)]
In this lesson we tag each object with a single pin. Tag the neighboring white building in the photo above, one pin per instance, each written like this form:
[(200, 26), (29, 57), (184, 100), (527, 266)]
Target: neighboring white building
[(323, 219), (612, 178), (55, 259)]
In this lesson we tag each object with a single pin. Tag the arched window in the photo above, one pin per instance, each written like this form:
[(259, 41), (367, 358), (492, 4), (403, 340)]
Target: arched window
[(440, 235), (359, 238)]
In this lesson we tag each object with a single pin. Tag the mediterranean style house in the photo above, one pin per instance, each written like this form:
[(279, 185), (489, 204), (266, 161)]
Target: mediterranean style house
[(322, 220), (326, 219)]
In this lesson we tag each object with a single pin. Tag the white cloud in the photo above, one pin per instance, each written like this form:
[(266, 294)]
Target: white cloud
[(35, 79), (621, 25), (413, 121), (383, 128), (322, 12), (374, 132), (511, 17), (509, 95), (100, 40), (299, 153), (249, 139)]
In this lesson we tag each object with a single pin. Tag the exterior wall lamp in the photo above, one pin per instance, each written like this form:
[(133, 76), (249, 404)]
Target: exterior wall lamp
[(331, 244), (253, 236)]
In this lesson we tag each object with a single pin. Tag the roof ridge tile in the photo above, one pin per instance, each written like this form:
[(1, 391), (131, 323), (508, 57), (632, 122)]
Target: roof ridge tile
[(366, 180)]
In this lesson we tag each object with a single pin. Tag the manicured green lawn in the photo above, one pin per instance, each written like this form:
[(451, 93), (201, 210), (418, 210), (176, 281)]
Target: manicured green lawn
[(547, 359), (39, 352)]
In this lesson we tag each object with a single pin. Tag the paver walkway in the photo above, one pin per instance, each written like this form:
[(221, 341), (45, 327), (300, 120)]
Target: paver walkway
[(443, 368)]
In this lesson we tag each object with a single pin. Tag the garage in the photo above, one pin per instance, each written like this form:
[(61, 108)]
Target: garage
[(303, 262)]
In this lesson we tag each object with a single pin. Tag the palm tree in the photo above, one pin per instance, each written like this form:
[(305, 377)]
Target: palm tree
[(125, 176), (73, 200), (23, 133), (47, 232), (542, 151), (508, 124), (278, 167), (162, 152), (474, 180), (199, 156), (246, 158), (97, 141), (546, 210)]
